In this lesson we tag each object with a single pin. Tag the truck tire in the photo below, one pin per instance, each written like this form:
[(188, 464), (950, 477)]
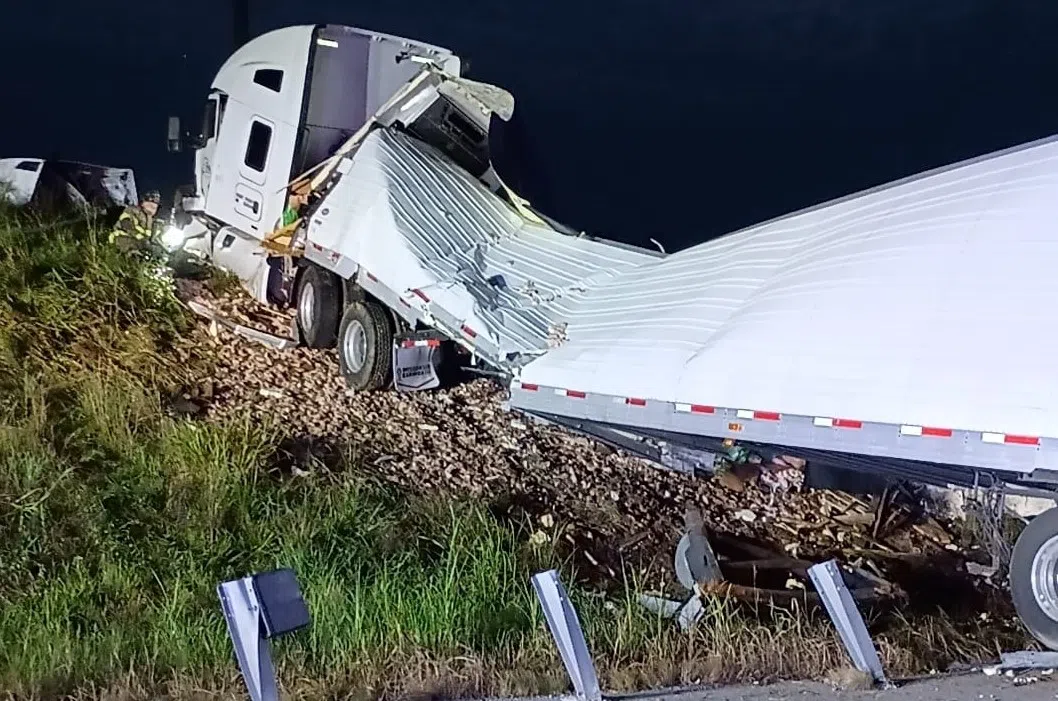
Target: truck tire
[(1034, 577), (318, 305), (365, 346)]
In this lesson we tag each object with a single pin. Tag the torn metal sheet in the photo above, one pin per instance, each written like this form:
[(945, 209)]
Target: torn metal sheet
[(1025, 659), (267, 339), (695, 559)]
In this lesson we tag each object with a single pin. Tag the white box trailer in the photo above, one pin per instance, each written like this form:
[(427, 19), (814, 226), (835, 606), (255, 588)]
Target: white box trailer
[(900, 331)]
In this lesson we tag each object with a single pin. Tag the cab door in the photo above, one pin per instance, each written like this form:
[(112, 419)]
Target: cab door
[(205, 155)]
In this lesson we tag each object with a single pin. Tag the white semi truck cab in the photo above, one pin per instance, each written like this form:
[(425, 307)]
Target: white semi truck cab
[(281, 108), (282, 104)]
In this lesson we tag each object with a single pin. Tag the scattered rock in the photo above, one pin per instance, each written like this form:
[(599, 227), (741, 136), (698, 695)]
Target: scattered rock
[(460, 441), (850, 679)]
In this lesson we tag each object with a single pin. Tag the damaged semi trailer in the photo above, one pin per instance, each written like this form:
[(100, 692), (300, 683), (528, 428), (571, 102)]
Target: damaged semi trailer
[(901, 331)]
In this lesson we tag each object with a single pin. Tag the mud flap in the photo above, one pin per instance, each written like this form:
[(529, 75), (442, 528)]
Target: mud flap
[(416, 364)]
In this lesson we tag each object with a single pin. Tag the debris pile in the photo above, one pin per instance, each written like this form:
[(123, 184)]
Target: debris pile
[(615, 509)]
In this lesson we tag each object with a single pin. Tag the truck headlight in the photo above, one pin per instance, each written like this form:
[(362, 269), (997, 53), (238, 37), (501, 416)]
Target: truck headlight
[(172, 238)]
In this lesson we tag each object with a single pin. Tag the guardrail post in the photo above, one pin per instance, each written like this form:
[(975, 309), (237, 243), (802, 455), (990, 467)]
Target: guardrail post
[(258, 608), (569, 637), (847, 619)]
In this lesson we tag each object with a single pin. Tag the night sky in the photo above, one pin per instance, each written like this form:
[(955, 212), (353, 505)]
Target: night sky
[(673, 119)]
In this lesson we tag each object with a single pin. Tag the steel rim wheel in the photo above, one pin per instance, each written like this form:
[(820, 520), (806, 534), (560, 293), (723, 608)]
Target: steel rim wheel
[(1044, 577), (354, 346), (307, 304)]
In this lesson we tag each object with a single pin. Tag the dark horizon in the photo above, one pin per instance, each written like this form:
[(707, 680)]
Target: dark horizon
[(644, 121)]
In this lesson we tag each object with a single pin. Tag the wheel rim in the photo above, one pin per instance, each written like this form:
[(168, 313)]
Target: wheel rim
[(354, 346), (307, 305), (1045, 577)]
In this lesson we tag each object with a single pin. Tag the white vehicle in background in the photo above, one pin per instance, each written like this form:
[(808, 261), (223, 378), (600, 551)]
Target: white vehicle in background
[(902, 332), (58, 184), (18, 179)]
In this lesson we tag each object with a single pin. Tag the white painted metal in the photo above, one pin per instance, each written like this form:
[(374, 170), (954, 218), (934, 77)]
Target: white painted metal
[(925, 303), (18, 179), (847, 619), (252, 199), (569, 637), (239, 195), (242, 612), (408, 215)]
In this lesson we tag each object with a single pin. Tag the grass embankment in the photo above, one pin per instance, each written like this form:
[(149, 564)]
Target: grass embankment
[(117, 521)]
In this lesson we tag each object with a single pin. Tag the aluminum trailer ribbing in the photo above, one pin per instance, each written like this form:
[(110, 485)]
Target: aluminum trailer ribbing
[(437, 246), (909, 321), (892, 323)]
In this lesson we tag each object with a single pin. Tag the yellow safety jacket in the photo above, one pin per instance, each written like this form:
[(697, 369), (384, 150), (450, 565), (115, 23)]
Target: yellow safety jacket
[(134, 223)]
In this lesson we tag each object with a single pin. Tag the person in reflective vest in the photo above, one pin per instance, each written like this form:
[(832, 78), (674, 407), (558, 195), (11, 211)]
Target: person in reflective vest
[(134, 228)]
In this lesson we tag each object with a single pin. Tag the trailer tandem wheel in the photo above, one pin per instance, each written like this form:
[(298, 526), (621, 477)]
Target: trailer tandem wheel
[(365, 346), (319, 304), (1034, 577)]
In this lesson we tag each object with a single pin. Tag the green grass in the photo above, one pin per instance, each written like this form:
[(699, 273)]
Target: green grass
[(117, 521)]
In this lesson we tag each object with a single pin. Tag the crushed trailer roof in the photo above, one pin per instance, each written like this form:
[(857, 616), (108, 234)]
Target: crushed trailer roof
[(415, 219), (929, 301)]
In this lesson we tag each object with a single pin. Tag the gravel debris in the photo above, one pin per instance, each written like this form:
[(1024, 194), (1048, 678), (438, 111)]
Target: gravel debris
[(616, 508)]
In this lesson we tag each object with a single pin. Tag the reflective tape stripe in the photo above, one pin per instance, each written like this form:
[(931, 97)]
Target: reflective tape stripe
[(429, 343), (823, 422), (1009, 439), (370, 277), (926, 431), (696, 409), (910, 430), (468, 331), (420, 294), (758, 415)]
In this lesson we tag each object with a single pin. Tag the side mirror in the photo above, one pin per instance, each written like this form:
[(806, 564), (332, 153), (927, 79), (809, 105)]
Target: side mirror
[(175, 142)]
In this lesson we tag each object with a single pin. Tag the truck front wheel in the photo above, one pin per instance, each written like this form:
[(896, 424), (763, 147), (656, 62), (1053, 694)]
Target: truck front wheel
[(319, 303), (1034, 577), (365, 346)]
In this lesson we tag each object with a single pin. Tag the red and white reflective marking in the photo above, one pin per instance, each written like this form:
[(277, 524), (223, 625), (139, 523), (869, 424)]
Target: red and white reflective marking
[(818, 421), (370, 277), (823, 422), (926, 431), (428, 343), (468, 331), (696, 408), (1009, 439), (420, 294), (758, 415)]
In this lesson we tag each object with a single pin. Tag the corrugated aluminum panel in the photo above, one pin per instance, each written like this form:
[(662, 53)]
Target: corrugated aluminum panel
[(415, 220), (928, 302)]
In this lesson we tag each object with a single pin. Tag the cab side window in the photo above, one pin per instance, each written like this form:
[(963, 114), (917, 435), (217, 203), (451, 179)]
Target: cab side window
[(271, 78), (209, 119), (257, 146)]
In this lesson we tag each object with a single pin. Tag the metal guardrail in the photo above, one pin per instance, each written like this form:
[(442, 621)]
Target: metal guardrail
[(263, 606)]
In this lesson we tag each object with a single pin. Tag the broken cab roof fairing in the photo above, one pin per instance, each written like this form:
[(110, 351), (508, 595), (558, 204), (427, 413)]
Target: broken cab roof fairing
[(922, 307)]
